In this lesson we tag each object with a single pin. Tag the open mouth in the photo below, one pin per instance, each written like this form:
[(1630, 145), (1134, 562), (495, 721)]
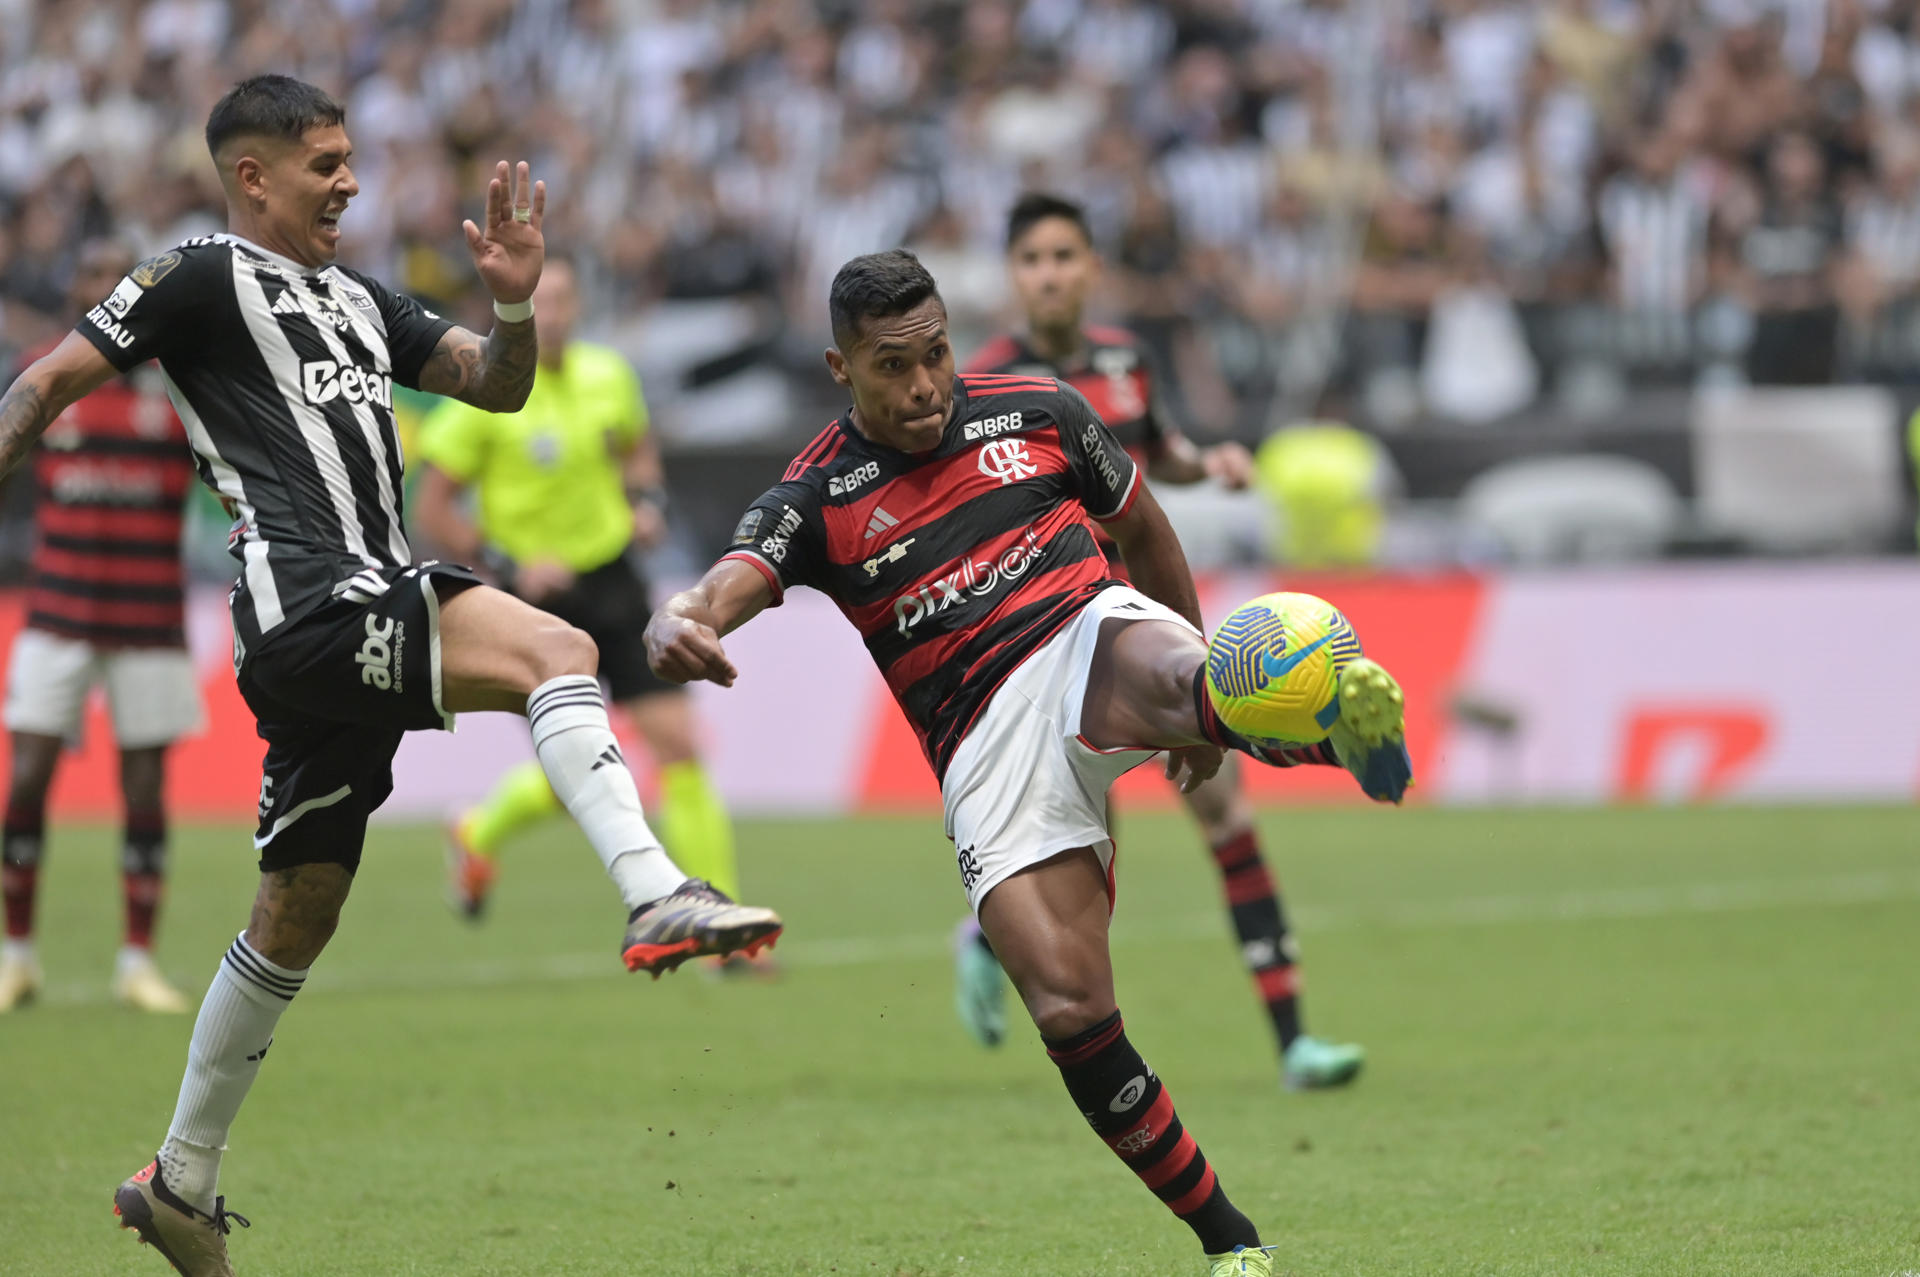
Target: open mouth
[(330, 223)]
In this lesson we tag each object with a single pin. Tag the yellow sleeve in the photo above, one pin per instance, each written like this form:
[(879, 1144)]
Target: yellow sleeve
[(454, 437), (633, 404)]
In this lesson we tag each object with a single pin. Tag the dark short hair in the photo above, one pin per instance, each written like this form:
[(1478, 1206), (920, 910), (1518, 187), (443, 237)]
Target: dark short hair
[(876, 286), (277, 106), (1037, 206)]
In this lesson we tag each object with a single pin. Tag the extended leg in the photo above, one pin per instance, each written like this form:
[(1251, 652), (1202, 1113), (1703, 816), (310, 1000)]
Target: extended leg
[(1048, 924), (503, 654)]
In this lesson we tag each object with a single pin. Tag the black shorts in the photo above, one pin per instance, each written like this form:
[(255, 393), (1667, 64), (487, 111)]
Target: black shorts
[(612, 604), (332, 693)]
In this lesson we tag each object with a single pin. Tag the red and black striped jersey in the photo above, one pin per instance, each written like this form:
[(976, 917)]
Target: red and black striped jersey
[(112, 472), (958, 563), (1114, 373)]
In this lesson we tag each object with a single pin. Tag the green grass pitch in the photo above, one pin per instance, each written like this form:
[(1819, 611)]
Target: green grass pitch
[(1617, 1042)]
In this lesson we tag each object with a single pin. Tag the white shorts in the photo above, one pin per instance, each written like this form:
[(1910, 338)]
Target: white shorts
[(1023, 786), (152, 692)]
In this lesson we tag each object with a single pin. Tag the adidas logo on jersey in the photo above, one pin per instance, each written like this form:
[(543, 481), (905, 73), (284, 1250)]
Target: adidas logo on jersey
[(841, 484), (880, 522), (285, 304), (987, 429)]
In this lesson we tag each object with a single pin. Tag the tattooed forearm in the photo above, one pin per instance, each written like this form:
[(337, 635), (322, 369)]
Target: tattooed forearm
[(496, 375), (23, 415)]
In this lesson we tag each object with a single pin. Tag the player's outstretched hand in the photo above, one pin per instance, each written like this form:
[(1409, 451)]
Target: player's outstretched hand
[(510, 251), (684, 651), (1193, 766)]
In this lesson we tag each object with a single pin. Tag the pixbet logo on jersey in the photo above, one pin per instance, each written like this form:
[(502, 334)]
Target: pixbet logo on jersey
[(1007, 460), (323, 381), (973, 578)]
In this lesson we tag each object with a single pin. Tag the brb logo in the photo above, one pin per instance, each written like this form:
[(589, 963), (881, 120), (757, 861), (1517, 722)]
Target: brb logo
[(840, 484), (379, 652), (974, 577), (323, 381), (1005, 424), (1007, 460)]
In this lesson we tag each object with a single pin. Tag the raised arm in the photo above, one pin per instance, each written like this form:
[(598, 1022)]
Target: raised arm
[(494, 373), (69, 372), (508, 252), (683, 639), (1154, 558)]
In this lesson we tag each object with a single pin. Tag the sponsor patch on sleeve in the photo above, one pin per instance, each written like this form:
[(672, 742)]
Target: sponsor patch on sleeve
[(155, 269), (749, 528), (121, 299)]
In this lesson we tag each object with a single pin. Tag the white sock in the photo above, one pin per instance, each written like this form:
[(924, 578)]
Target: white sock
[(576, 746), (230, 1038), (20, 951)]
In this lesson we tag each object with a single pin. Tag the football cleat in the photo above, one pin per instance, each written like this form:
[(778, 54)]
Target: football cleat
[(979, 986), (1242, 1261), (470, 875), (139, 984), (19, 982), (194, 1242), (693, 922), (1313, 1065), (1370, 736)]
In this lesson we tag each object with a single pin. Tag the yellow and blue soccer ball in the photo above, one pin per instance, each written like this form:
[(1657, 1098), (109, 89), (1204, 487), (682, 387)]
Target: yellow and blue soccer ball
[(1273, 668)]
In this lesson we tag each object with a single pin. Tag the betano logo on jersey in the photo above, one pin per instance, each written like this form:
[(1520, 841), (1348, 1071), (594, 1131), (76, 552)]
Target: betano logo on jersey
[(323, 381), (972, 578)]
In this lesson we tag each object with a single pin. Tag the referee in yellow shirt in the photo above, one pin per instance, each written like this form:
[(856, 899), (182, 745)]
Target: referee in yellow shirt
[(567, 489)]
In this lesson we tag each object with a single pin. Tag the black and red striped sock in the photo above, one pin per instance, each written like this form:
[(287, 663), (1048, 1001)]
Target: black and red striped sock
[(1225, 737), (1128, 1108), (1260, 920), (21, 844), (143, 867)]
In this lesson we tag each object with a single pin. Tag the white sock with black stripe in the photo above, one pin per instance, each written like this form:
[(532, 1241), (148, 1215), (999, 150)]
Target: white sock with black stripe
[(230, 1038), (577, 750)]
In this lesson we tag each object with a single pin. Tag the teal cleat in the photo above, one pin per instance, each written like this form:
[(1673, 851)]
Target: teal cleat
[(1313, 1065), (1370, 736), (979, 986)]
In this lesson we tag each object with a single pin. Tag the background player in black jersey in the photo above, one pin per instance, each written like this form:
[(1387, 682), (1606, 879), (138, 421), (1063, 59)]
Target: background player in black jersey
[(1054, 267), (951, 520), (281, 366)]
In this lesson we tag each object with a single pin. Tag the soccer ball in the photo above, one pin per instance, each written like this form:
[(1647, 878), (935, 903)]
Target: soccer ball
[(1273, 668)]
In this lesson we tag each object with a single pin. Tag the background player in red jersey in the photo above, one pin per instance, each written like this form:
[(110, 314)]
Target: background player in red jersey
[(951, 520), (1053, 266), (105, 607)]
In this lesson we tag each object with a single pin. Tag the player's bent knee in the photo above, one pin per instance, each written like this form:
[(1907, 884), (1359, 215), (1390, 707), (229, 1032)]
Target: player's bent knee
[(561, 649), (1061, 1015)]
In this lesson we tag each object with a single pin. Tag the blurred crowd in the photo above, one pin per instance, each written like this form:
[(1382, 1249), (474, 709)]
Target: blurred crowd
[(1416, 207)]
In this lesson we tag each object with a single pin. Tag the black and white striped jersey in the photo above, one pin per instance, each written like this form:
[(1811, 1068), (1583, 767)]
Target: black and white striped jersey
[(283, 375)]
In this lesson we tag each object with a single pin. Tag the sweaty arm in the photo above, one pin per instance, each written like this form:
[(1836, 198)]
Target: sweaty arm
[(69, 372), (495, 374), (683, 638)]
